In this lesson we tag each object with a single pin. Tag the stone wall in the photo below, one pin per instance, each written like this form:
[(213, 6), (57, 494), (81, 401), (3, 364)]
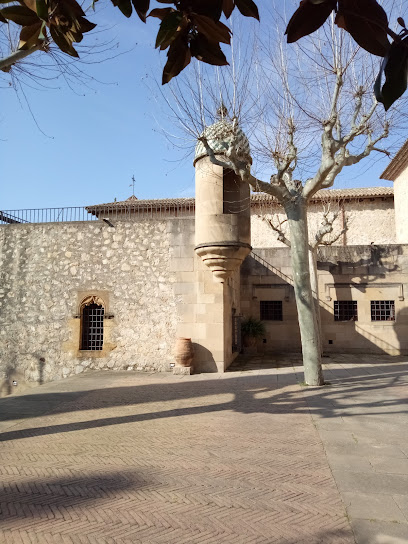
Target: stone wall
[(359, 273), (47, 269), (401, 203), (369, 221)]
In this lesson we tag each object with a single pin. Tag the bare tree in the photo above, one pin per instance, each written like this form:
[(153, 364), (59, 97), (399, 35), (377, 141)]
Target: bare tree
[(312, 113), (327, 234)]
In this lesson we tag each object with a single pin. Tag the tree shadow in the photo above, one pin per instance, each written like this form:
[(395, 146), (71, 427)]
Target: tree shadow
[(265, 393), (34, 498)]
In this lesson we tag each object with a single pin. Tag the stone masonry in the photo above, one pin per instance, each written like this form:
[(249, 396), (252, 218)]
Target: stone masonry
[(45, 271)]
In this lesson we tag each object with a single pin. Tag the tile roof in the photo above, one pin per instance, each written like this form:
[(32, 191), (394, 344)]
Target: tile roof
[(397, 165), (133, 202), (327, 194)]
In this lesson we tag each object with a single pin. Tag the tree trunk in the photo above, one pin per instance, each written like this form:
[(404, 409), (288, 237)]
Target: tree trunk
[(315, 290), (297, 218)]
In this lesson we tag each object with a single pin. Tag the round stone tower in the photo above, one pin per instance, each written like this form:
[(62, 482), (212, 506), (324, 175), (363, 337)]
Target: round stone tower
[(222, 215)]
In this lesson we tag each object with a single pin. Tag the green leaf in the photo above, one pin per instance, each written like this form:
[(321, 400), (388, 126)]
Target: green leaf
[(168, 29), (206, 51), (214, 30), (247, 8), (141, 7), (21, 15), (395, 69), (308, 18), (178, 57)]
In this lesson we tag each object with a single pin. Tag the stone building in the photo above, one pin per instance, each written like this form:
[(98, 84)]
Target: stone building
[(111, 286)]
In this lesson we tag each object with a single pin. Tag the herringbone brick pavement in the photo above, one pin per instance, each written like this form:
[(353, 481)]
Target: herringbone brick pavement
[(160, 459)]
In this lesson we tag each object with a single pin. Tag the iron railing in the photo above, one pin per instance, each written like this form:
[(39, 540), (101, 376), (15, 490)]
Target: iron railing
[(107, 213)]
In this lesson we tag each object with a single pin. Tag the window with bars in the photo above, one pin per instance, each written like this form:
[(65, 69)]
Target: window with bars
[(271, 310), (92, 327), (345, 310), (382, 310), (231, 193)]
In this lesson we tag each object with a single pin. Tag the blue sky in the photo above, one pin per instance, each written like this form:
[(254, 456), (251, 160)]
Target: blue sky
[(90, 141)]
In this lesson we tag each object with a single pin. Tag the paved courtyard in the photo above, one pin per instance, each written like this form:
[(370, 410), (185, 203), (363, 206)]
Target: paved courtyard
[(249, 456)]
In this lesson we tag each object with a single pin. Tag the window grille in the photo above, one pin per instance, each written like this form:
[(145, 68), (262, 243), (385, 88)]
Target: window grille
[(345, 310), (271, 310), (382, 310), (236, 333), (92, 327)]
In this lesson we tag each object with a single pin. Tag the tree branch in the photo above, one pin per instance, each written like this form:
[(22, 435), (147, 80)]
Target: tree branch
[(281, 235), (7, 62), (327, 228)]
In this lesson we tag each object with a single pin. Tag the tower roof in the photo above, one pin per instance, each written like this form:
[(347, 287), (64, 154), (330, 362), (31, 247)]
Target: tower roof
[(219, 136)]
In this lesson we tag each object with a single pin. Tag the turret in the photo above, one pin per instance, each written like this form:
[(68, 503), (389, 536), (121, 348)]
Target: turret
[(223, 226)]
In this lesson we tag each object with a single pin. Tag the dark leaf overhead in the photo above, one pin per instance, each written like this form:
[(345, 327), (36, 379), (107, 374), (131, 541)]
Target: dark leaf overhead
[(169, 29), (307, 18), (395, 70), (125, 6), (141, 8), (212, 30), (20, 15), (193, 28), (207, 51), (228, 7), (247, 8), (30, 36), (178, 57), (160, 13), (367, 23)]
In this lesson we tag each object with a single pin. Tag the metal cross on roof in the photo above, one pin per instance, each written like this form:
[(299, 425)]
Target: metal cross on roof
[(133, 185)]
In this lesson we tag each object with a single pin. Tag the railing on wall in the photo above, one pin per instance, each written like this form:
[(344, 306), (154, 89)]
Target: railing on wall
[(107, 213), (272, 268)]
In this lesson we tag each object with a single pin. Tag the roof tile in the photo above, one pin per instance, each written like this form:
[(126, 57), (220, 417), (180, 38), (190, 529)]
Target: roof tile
[(133, 202)]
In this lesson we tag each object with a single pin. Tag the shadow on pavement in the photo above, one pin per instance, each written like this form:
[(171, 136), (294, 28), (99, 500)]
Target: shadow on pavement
[(263, 393)]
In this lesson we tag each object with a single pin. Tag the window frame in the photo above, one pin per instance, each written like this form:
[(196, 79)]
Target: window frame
[(340, 313), (381, 307), (276, 314), (92, 328)]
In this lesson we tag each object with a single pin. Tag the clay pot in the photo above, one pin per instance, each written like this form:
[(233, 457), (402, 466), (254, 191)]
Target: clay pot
[(183, 352), (249, 341)]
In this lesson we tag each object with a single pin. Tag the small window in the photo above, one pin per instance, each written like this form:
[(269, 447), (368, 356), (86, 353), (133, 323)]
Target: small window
[(92, 327), (345, 310), (271, 310), (231, 192), (382, 310)]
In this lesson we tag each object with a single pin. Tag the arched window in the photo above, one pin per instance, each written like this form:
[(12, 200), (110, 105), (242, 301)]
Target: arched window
[(92, 314)]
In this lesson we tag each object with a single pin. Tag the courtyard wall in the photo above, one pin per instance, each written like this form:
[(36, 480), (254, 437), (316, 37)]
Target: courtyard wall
[(47, 269), (354, 273)]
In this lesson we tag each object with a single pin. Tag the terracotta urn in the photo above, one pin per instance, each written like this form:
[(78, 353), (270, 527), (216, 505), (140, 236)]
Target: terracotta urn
[(183, 352)]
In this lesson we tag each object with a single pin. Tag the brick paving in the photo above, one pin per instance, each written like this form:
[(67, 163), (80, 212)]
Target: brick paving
[(123, 457)]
